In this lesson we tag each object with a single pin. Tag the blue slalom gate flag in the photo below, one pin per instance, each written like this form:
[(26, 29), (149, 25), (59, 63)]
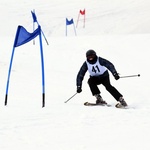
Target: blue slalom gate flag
[(36, 21), (23, 36), (34, 16), (69, 22)]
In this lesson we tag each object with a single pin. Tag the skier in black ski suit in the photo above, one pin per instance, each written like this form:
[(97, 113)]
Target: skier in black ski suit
[(97, 67)]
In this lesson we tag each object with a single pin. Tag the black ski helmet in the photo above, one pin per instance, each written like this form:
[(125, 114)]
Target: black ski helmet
[(90, 52)]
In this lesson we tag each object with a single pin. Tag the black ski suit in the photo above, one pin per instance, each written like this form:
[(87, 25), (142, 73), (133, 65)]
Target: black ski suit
[(103, 79)]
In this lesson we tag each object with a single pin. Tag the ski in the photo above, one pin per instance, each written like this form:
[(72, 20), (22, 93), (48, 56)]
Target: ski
[(94, 104), (118, 105)]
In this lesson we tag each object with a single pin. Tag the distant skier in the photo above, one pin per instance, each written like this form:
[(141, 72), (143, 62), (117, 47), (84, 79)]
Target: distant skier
[(97, 67)]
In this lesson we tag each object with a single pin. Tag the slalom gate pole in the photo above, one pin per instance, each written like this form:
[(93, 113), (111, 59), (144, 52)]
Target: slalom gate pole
[(42, 66), (43, 34), (138, 75), (78, 20), (70, 98)]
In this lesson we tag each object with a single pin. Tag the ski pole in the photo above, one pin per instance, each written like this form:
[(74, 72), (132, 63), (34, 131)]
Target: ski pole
[(138, 75), (70, 98)]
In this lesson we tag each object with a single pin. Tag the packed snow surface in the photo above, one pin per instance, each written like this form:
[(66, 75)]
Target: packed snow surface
[(117, 30)]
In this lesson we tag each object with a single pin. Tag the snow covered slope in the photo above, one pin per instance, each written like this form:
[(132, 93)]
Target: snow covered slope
[(102, 16), (117, 30)]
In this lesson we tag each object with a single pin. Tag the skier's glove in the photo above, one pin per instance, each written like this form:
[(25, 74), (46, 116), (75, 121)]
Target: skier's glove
[(79, 89), (116, 75)]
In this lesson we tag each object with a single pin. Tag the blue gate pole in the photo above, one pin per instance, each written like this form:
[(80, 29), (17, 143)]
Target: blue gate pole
[(43, 76), (8, 78)]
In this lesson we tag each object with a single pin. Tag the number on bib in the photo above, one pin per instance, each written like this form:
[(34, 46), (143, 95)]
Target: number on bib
[(95, 69)]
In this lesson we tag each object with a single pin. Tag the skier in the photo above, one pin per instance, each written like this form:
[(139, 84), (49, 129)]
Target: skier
[(98, 69)]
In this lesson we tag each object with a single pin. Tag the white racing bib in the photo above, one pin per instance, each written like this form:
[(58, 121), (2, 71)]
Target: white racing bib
[(95, 69)]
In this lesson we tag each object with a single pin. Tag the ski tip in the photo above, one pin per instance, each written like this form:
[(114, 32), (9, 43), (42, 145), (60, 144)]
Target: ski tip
[(85, 103), (88, 104), (118, 105)]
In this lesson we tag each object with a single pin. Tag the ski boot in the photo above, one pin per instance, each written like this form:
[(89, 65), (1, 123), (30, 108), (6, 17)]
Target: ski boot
[(99, 100), (122, 103)]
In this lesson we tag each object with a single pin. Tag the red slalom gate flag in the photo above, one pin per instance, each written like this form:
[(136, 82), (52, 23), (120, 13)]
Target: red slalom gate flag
[(82, 12)]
